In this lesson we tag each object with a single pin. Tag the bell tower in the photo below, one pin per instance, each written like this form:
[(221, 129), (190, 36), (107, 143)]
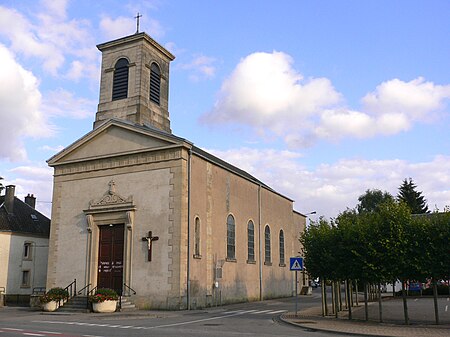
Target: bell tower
[(134, 82)]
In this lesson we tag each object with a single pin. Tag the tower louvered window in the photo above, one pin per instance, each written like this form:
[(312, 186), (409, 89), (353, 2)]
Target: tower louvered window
[(120, 81), (155, 83)]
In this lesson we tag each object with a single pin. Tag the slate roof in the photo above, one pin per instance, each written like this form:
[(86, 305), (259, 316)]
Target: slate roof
[(24, 219)]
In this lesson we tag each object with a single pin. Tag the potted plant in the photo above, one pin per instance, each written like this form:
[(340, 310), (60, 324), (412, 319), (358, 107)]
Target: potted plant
[(104, 300), (52, 299)]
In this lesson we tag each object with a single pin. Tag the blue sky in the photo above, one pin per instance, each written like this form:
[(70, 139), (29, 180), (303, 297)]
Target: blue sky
[(321, 100)]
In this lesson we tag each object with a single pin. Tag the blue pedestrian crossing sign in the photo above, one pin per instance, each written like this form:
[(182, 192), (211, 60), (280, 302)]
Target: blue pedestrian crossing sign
[(296, 263)]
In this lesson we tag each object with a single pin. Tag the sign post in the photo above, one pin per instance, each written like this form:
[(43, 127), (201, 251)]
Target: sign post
[(296, 264)]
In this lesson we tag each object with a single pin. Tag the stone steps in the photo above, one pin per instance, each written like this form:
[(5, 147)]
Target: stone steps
[(127, 305), (75, 304)]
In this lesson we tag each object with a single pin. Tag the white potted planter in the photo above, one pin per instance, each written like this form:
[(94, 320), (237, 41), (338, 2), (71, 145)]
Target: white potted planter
[(50, 306), (106, 306)]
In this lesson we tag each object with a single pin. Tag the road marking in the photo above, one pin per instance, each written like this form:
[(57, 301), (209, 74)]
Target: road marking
[(51, 332), (33, 334), (146, 327), (13, 329), (260, 312), (276, 312), (446, 308)]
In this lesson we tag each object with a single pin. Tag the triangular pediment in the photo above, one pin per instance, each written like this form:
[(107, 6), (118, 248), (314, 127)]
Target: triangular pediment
[(114, 138)]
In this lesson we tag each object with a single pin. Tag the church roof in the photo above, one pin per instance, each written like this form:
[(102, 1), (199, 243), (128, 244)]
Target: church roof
[(24, 219)]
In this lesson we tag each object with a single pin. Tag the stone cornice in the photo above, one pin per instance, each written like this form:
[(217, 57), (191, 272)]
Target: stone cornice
[(117, 161)]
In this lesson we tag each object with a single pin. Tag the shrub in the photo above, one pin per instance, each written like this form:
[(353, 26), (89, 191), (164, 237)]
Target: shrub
[(104, 294), (54, 294)]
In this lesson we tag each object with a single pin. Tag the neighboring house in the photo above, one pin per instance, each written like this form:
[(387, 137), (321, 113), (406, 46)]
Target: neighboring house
[(24, 234), (137, 207)]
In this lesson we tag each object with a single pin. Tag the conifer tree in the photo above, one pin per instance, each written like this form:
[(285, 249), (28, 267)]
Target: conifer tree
[(414, 199)]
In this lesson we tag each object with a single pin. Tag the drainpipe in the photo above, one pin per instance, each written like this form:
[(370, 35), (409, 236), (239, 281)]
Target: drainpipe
[(260, 244), (188, 290)]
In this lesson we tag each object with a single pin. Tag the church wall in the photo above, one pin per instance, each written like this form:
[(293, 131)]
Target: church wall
[(155, 189), (216, 193)]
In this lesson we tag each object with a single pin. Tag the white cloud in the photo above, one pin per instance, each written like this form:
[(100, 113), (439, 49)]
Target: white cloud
[(63, 103), (201, 67), (117, 27), (20, 112), (265, 92), (331, 188), (52, 148), (37, 180), (48, 35)]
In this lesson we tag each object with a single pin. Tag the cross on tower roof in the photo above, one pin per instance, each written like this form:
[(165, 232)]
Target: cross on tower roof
[(137, 21)]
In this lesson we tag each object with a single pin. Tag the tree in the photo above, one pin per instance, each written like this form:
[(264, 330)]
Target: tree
[(1, 186), (371, 200), (416, 202)]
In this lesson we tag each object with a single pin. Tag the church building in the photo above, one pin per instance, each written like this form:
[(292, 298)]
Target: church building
[(151, 215)]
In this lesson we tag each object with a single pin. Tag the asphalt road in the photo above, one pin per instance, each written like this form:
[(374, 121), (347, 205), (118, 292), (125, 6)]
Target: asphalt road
[(247, 319)]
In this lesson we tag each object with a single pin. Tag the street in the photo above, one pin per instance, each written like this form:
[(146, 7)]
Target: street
[(246, 319)]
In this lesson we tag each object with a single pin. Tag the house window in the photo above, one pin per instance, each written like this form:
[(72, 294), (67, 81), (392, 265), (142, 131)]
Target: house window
[(282, 261), (231, 238), (155, 83), (27, 251), (197, 238), (120, 80), (251, 241), (267, 258), (25, 278)]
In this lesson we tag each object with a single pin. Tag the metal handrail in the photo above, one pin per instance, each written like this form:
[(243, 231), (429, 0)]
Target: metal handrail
[(92, 291), (85, 287), (127, 286), (72, 289)]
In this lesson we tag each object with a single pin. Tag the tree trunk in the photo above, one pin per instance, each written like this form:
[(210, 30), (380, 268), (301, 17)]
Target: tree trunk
[(333, 290), (349, 299), (405, 304), (324, 300), (366, 304), (435, 297), (340, 296), (356, 290), (393, 288), (380, 307), (336, 297)]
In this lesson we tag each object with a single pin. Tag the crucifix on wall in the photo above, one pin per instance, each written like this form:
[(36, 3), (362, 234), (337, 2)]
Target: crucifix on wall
[(150, 238)]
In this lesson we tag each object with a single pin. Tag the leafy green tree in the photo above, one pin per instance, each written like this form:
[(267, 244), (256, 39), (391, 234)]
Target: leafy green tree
[(416, 202), (370, 201)]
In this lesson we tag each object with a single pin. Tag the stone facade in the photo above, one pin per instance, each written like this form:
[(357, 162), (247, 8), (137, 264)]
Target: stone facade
[(131, 171)]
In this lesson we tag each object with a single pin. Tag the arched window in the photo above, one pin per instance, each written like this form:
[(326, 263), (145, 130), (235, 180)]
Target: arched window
[(120, 80), (267, 258), (251, 241), (155, 83), (231, 238), (282, 262), (197, 238)]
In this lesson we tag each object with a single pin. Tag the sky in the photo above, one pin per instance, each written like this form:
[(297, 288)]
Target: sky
[(321, 100)]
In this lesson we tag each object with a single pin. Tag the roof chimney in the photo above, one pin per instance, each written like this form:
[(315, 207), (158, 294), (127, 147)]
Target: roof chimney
[(9, 198), (30, 200)]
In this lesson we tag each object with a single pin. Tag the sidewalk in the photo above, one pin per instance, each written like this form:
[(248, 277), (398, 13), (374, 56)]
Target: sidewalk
[(312, 319)]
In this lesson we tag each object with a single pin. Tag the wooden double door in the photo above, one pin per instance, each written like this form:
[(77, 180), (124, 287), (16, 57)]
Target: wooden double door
[(110, 257)]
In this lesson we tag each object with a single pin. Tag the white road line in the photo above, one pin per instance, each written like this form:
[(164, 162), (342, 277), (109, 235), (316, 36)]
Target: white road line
[(51, 332), (276, 312), (249, 311), (148, 327), (33, 334), (13, 329), (260, 312), (91, 336), (446, 308)]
